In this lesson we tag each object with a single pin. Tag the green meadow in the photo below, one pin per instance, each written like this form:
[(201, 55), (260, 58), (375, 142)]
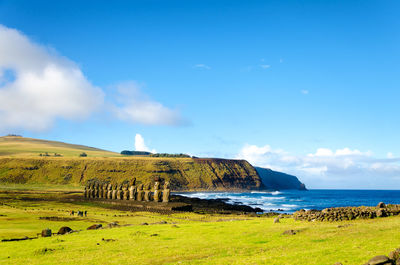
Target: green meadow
[(179, 238)]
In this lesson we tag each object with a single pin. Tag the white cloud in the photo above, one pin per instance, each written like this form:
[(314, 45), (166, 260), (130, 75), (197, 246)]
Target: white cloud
[(41, 86), (140, 145), (137, 107), (305, 92), (265, 66), (202, 66), (343, 168)]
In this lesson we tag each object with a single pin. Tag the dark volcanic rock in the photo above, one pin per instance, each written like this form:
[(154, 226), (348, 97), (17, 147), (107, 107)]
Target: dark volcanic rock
[(214, 205), (347, 213), (46, 232), (379, 260), (64, 230), (290, 232), (94, 227), (381, 205)]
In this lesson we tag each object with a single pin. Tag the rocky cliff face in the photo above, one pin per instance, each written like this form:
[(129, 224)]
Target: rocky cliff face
[(274, 180), (183, 173)]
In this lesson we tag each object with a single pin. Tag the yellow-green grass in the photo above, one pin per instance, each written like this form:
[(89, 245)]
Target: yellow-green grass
[(187, 238), (14, 146)]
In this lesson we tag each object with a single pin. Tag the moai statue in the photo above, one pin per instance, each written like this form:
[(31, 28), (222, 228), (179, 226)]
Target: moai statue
[(93, 195), (132, 190), (85, 194), (105, 186), (166, 192), (114, 192), (157, 191), (89, 191), (147, 192), (140, 193), (125, 192), (96, 190), (100, 191), (132, 193), (119, 193), (109, 191)]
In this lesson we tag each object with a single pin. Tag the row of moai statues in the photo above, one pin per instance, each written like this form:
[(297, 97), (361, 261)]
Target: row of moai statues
[(129, 191)]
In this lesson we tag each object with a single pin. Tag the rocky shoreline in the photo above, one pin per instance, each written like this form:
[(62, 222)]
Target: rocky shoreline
[(348, 213)]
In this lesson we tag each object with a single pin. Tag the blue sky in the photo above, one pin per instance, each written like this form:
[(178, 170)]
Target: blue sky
[(278, 83)]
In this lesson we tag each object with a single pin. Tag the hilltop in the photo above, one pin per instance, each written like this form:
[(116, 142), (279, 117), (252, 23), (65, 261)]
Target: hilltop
[(18, 146)]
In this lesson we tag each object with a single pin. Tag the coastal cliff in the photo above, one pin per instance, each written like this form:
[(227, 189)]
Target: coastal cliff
[(183, 173), (274, 180)]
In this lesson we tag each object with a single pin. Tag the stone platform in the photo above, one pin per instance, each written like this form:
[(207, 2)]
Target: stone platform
[(151, 206)]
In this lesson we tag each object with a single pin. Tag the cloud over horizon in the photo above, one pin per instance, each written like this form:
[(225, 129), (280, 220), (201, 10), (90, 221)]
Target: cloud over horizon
[(140, 145), (343, 168), (37, 86)]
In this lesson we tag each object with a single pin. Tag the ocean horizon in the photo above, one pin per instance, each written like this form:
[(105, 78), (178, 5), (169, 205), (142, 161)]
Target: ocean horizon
[(289, 201)]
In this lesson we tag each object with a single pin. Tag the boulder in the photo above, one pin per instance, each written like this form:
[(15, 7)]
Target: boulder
[(395, 254), (46, 232), (276, 220), (94, 227), (381, 205), (64, 230), (381, 213), (290, 232), (379, 260), (113, 224)]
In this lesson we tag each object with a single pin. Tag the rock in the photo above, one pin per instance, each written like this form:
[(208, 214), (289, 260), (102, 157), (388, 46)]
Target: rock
[(144, 224), (94, 227), (395, 254), (379, 260), (381, 213), (46, 232), (276, 220), (64, 230), (338, 263), (290, 232), (381, 205), (113, 224)]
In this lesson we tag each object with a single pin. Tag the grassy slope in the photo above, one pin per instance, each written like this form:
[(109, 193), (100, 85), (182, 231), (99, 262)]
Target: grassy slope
[(27, 147), (23, 165), (183, 173), (198, 239)]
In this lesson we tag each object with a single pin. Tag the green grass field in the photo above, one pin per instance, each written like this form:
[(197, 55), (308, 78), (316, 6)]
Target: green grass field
[(186, 238), (14, 146)]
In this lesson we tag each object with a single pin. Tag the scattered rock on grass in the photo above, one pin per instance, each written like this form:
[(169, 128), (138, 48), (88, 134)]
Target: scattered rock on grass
[(94, 227), (46, 232), (290, 232), (113, 224), (64, 230), (108, 239), (380, 260)]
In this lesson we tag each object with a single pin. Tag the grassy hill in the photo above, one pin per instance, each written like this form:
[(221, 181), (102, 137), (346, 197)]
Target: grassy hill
[(16, 146), (20, 163)]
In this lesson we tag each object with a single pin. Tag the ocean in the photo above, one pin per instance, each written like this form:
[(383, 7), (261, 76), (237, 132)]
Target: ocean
[(289, 201)]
